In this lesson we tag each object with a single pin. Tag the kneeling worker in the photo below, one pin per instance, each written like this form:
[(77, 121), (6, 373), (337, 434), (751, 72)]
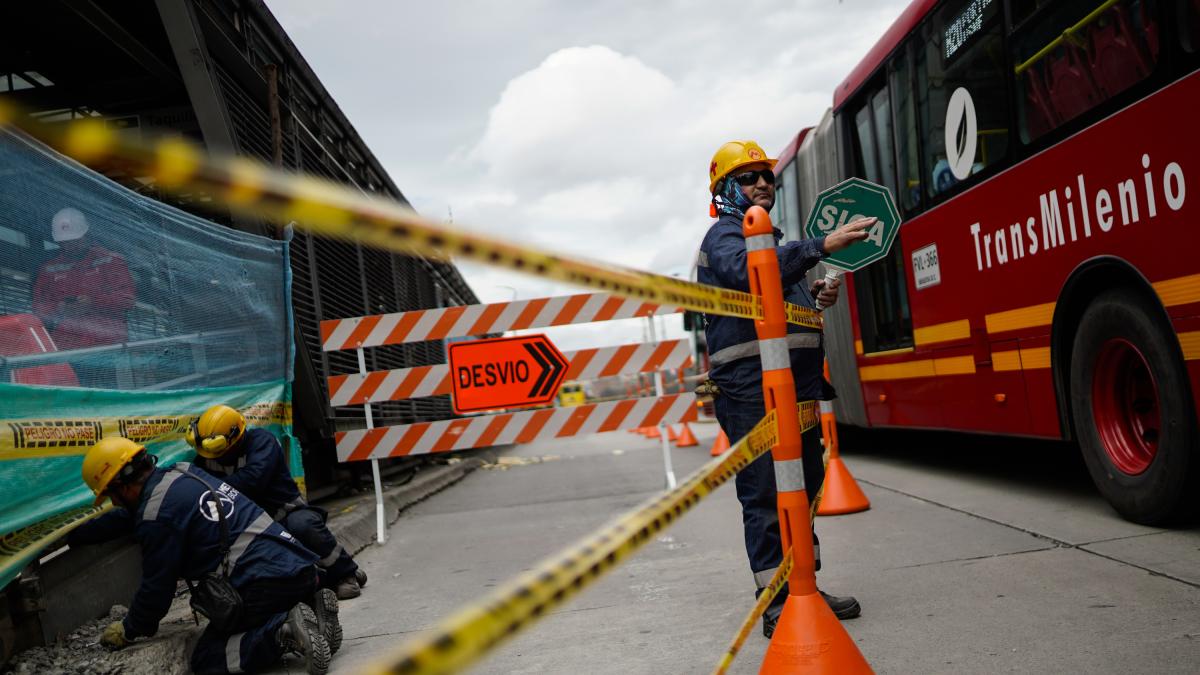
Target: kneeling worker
[(190, 525), (252, 461)]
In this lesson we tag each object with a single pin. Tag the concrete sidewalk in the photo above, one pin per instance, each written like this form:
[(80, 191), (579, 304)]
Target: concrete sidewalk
[(352, 520)]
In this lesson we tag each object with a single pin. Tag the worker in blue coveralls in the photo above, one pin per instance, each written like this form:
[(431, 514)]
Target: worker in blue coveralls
[(189, 525), (252, 461), (741, 176)]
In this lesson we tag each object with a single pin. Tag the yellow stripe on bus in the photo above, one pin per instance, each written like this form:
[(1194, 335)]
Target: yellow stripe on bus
[(1006, 360), (897, 371), (942, 332), (1035, 358), (954, 365), (1016, 319), (1179, 291), (1190, 344)]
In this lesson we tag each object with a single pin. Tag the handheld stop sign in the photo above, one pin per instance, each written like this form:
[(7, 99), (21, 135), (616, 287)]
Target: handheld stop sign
[(512, 372), (850, 200)]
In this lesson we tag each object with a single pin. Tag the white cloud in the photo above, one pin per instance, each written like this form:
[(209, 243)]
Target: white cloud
[(598, 150)]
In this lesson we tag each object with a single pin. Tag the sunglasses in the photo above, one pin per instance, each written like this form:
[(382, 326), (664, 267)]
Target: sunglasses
[(751, 177)]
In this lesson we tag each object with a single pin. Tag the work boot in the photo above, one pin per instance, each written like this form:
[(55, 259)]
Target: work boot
[(361, 576), (325, 606), (844, 607), (348, 588), (301, 635), (770, 619)]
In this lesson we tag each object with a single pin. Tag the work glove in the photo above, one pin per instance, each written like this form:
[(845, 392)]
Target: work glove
[(114, 636)]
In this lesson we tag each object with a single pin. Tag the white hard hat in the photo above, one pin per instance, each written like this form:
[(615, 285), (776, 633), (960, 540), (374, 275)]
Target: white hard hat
[(68, 224)]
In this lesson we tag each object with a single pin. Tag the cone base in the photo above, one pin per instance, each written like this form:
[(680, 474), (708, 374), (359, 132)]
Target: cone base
[(841, 493), (810, 639)]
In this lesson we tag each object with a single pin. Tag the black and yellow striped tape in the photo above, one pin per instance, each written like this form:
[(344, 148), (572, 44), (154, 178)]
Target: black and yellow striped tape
[(256, 190), (473, 630)]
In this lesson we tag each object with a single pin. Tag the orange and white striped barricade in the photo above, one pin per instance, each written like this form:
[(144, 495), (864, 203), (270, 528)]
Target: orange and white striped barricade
[(808, 637), (364, 388)]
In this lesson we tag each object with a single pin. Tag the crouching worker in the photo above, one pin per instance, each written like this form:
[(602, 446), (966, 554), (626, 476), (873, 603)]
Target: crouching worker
[(191, 525), (252, 461)]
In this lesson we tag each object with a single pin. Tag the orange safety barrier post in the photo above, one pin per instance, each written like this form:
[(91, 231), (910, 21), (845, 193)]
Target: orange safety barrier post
[(808, 637), (686, 438), (841, 493), (720, 445)]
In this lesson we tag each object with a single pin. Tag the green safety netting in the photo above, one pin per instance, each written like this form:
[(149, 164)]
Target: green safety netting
[(120, 315)]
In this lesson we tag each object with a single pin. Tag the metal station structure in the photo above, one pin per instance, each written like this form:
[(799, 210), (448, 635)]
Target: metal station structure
[(223, 73)]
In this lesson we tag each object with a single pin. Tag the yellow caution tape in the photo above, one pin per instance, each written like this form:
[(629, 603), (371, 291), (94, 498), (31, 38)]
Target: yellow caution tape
[(473, 630), (257, 190), (34, 438)]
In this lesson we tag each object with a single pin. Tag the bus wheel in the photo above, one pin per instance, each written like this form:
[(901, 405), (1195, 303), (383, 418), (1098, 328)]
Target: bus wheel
[(1133, 411)]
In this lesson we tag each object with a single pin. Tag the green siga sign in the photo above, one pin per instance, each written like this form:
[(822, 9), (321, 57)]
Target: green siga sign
[(848, 201)]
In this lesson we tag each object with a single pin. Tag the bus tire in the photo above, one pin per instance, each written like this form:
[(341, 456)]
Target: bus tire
[(1133, 412)]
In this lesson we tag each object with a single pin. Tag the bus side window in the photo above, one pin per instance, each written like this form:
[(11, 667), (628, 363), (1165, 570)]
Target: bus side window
[(1068, 58), (962, 52), (908, 186), (881, 290), (791, 216), (1189, 26)]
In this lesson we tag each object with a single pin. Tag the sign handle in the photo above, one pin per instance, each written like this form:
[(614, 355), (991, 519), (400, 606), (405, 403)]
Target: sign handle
[(666, 443), (831, 275), (380, 523)]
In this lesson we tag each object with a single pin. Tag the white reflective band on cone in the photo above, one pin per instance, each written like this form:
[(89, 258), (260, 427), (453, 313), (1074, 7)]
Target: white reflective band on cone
[(759, 242), (774, 354), (826, 407), (789, 475)]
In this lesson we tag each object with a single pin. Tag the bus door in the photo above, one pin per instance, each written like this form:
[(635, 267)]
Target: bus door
[(881, 302)]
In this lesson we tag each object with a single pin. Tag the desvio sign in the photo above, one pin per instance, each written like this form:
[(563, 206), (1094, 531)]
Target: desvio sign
[(511, 372)]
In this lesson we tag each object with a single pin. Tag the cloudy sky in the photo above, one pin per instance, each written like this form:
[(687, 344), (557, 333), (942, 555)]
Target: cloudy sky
[(583, 127)]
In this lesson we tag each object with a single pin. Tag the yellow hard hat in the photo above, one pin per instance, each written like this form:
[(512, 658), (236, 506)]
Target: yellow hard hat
[(218, 429), (105, 460), (731, 156)]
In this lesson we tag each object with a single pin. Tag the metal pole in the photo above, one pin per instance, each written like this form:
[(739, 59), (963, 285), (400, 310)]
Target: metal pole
[(380, 523), (666, 444)]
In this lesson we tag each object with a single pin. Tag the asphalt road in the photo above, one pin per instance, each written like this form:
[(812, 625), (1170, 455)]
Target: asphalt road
[(977, 556)]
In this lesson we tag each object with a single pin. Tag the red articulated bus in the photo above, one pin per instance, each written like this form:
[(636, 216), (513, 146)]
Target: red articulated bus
[(1046, 159)]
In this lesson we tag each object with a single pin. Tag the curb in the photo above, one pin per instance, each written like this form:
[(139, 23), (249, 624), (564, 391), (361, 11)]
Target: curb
[(353, 520)]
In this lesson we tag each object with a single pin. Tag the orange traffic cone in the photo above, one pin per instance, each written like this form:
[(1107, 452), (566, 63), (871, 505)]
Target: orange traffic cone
[(652, 432), (671, 435), (686, 438), (810, 639), (840, 494), (720, 445)]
